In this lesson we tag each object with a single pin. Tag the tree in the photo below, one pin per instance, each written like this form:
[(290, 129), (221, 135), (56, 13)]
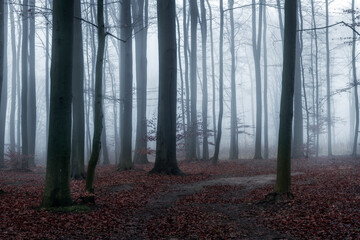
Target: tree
[(234, 146), (165, 161), (4, 93), (57, 182), (13, 80), (256, 43), (283, 177), (221, 85), (31, 108), (205, 83), (78, 129), (24, 85), (266, 114), (298, 150), (355, 81), (126, 82), (140, 16), (193, 83), (328, 80), (98, 101)]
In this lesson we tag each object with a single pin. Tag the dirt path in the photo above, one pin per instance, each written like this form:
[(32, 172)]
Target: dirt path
[(236, 214)]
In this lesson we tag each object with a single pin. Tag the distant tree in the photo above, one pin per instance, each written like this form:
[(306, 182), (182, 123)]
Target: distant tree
[(126, 87), (31, 108), (140, 16), (328, 81), (221, 85), (355, 81), (24, 84), (13, 79), (165, 160), (192, 128), (283, 177), (234, 145), (256, 43), (57, 182), (205, 82), (4, 92), (78, 127)]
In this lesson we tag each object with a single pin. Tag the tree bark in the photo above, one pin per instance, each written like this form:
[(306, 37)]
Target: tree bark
[(98, 114), (283, 178), (165, 161), (57, 182), (78, 127), (126, 81), (221, 85)]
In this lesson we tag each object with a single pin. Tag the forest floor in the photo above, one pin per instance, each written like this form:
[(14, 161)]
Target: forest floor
[(208, 202)]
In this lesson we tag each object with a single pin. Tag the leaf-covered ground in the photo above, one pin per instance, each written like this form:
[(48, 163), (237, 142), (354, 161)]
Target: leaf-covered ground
[(209, 202)]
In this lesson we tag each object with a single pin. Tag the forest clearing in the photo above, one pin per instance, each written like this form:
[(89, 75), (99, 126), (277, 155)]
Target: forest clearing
[(208, 202)]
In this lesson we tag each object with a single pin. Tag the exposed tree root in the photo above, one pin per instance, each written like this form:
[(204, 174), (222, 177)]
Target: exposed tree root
[(275, 197)]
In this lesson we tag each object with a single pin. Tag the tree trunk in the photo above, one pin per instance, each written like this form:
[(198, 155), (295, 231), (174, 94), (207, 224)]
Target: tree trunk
[(205, 154), (140, 157), (266, 117), (257, 56), (13, 80), (298, 150), (165, 161), (57, 183), (328, 81), (32, 89), (234, 146), (221, 85), (24, 87), (354, 152), (212, 70), (283, 178), (4, 92), (98, 114), (193, 82), (78, 130), (47, 72), (126, 81)]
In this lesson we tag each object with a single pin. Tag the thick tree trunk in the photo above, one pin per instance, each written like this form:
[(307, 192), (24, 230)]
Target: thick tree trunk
[(24, 86), (165, 161), (221, 85), (234, 146), (98, 114), (78, 127), (57, 183), (257, 57), (32, 89), (126, 81), (283, 179), (205, 154), (141, 80)]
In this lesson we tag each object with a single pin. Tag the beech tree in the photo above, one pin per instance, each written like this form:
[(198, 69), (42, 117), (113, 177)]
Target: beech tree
[(78, 127), (98, 101), (126, 82), (165, 160), (283, 177), (57, 182)]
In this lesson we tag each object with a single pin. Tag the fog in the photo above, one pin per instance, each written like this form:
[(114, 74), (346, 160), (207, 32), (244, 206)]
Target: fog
[(341, 75)]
